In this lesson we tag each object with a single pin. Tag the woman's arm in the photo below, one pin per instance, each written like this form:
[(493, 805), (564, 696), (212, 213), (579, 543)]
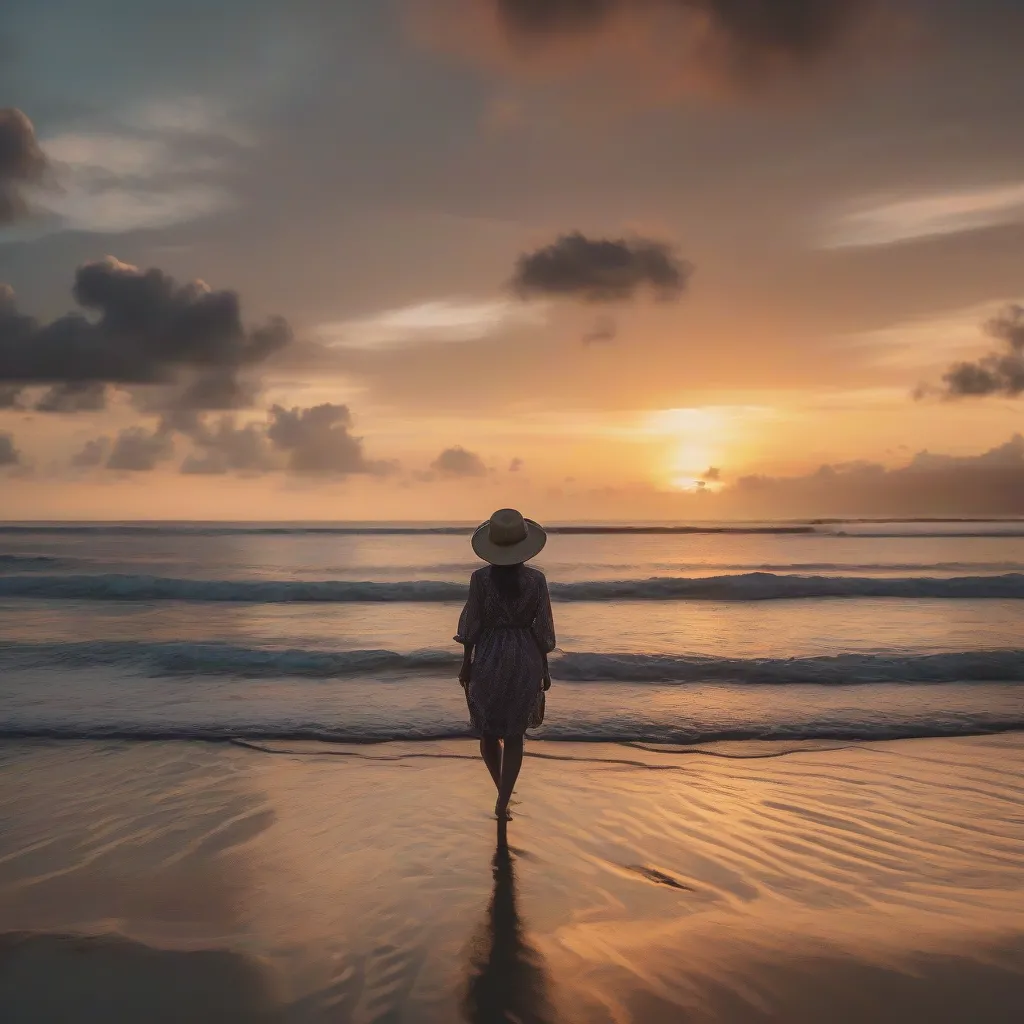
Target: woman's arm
[(544, 630), (467, 664), (470, 624)]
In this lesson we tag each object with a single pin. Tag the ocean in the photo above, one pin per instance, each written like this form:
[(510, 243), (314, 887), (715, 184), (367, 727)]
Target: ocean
[(668, 633)]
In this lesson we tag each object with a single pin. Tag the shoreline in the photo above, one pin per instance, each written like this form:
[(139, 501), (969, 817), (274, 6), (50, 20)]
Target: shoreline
[(836, 739)]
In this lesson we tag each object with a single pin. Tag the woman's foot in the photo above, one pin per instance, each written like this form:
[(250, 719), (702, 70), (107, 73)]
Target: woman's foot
[(502, 813)]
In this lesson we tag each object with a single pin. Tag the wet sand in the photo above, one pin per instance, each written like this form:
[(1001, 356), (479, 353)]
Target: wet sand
[(192, 882)]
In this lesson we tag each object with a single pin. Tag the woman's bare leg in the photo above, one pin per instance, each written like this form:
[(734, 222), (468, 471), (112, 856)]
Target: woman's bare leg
[(490, 751), (511, 762)]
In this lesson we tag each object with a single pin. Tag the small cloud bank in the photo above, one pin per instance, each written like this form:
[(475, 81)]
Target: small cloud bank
[(929, 485), (93, 453), (929, 216), (458, 462), (998, 373), (601, 270), (137, 450), (316, 441), (227, 448), (22, 163)]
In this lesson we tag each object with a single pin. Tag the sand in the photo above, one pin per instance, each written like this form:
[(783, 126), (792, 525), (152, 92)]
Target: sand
[(196, 882)]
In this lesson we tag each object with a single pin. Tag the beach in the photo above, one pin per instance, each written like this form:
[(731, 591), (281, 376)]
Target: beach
[(779, 778), (297, 881)]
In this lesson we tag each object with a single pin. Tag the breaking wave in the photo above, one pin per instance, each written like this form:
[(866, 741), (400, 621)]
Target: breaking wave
[(221, 659)]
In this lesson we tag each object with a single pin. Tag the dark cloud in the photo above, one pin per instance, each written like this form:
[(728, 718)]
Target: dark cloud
[(544, 17), (226, 448), (9, 455), (712, 475), (457, 461), (677, 46), (93, 453), (75, 396), (749, 34), (515, 465), (998, 373), (929, 485), (145, 329), (21, 162), (218, 390), (601, 270), (318, 440), (138, 450)]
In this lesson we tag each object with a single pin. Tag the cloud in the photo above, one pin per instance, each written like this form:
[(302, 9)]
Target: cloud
[(929, 485), (93, 453), (998, 373), (686, 46), (312, 440), (458, 462), (75, 396), (22, 163), (146, 329), (753, 30), (9, 455), (229, 448), (515, 465), (115, 211), (149, 167), (601, 270), (317, 440), (443, 320), (10, 397), (138, 450), (939, 213), (712, 475)]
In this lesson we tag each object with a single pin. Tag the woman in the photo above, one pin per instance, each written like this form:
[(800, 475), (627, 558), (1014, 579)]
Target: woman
[(507, 631)]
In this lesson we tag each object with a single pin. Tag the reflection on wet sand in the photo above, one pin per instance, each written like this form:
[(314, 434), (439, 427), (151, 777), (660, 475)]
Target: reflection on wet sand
[(507, 979)]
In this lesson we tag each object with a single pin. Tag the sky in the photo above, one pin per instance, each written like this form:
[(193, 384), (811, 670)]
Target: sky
[(595, 259)]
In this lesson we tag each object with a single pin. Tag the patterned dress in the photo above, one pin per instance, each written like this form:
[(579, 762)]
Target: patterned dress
[(508, 637)]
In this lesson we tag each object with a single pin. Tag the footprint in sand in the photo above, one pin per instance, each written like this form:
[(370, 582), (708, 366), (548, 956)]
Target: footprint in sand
[(658, 877)]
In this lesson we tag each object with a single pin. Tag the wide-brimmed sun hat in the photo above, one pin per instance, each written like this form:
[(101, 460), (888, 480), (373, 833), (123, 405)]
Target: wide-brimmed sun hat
[(507, 538)]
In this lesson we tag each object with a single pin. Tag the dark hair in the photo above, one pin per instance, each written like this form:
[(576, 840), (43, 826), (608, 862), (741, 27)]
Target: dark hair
[(506, 580)]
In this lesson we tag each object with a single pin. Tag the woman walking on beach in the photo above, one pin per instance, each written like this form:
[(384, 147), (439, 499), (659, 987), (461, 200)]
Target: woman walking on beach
[(507, 631)]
